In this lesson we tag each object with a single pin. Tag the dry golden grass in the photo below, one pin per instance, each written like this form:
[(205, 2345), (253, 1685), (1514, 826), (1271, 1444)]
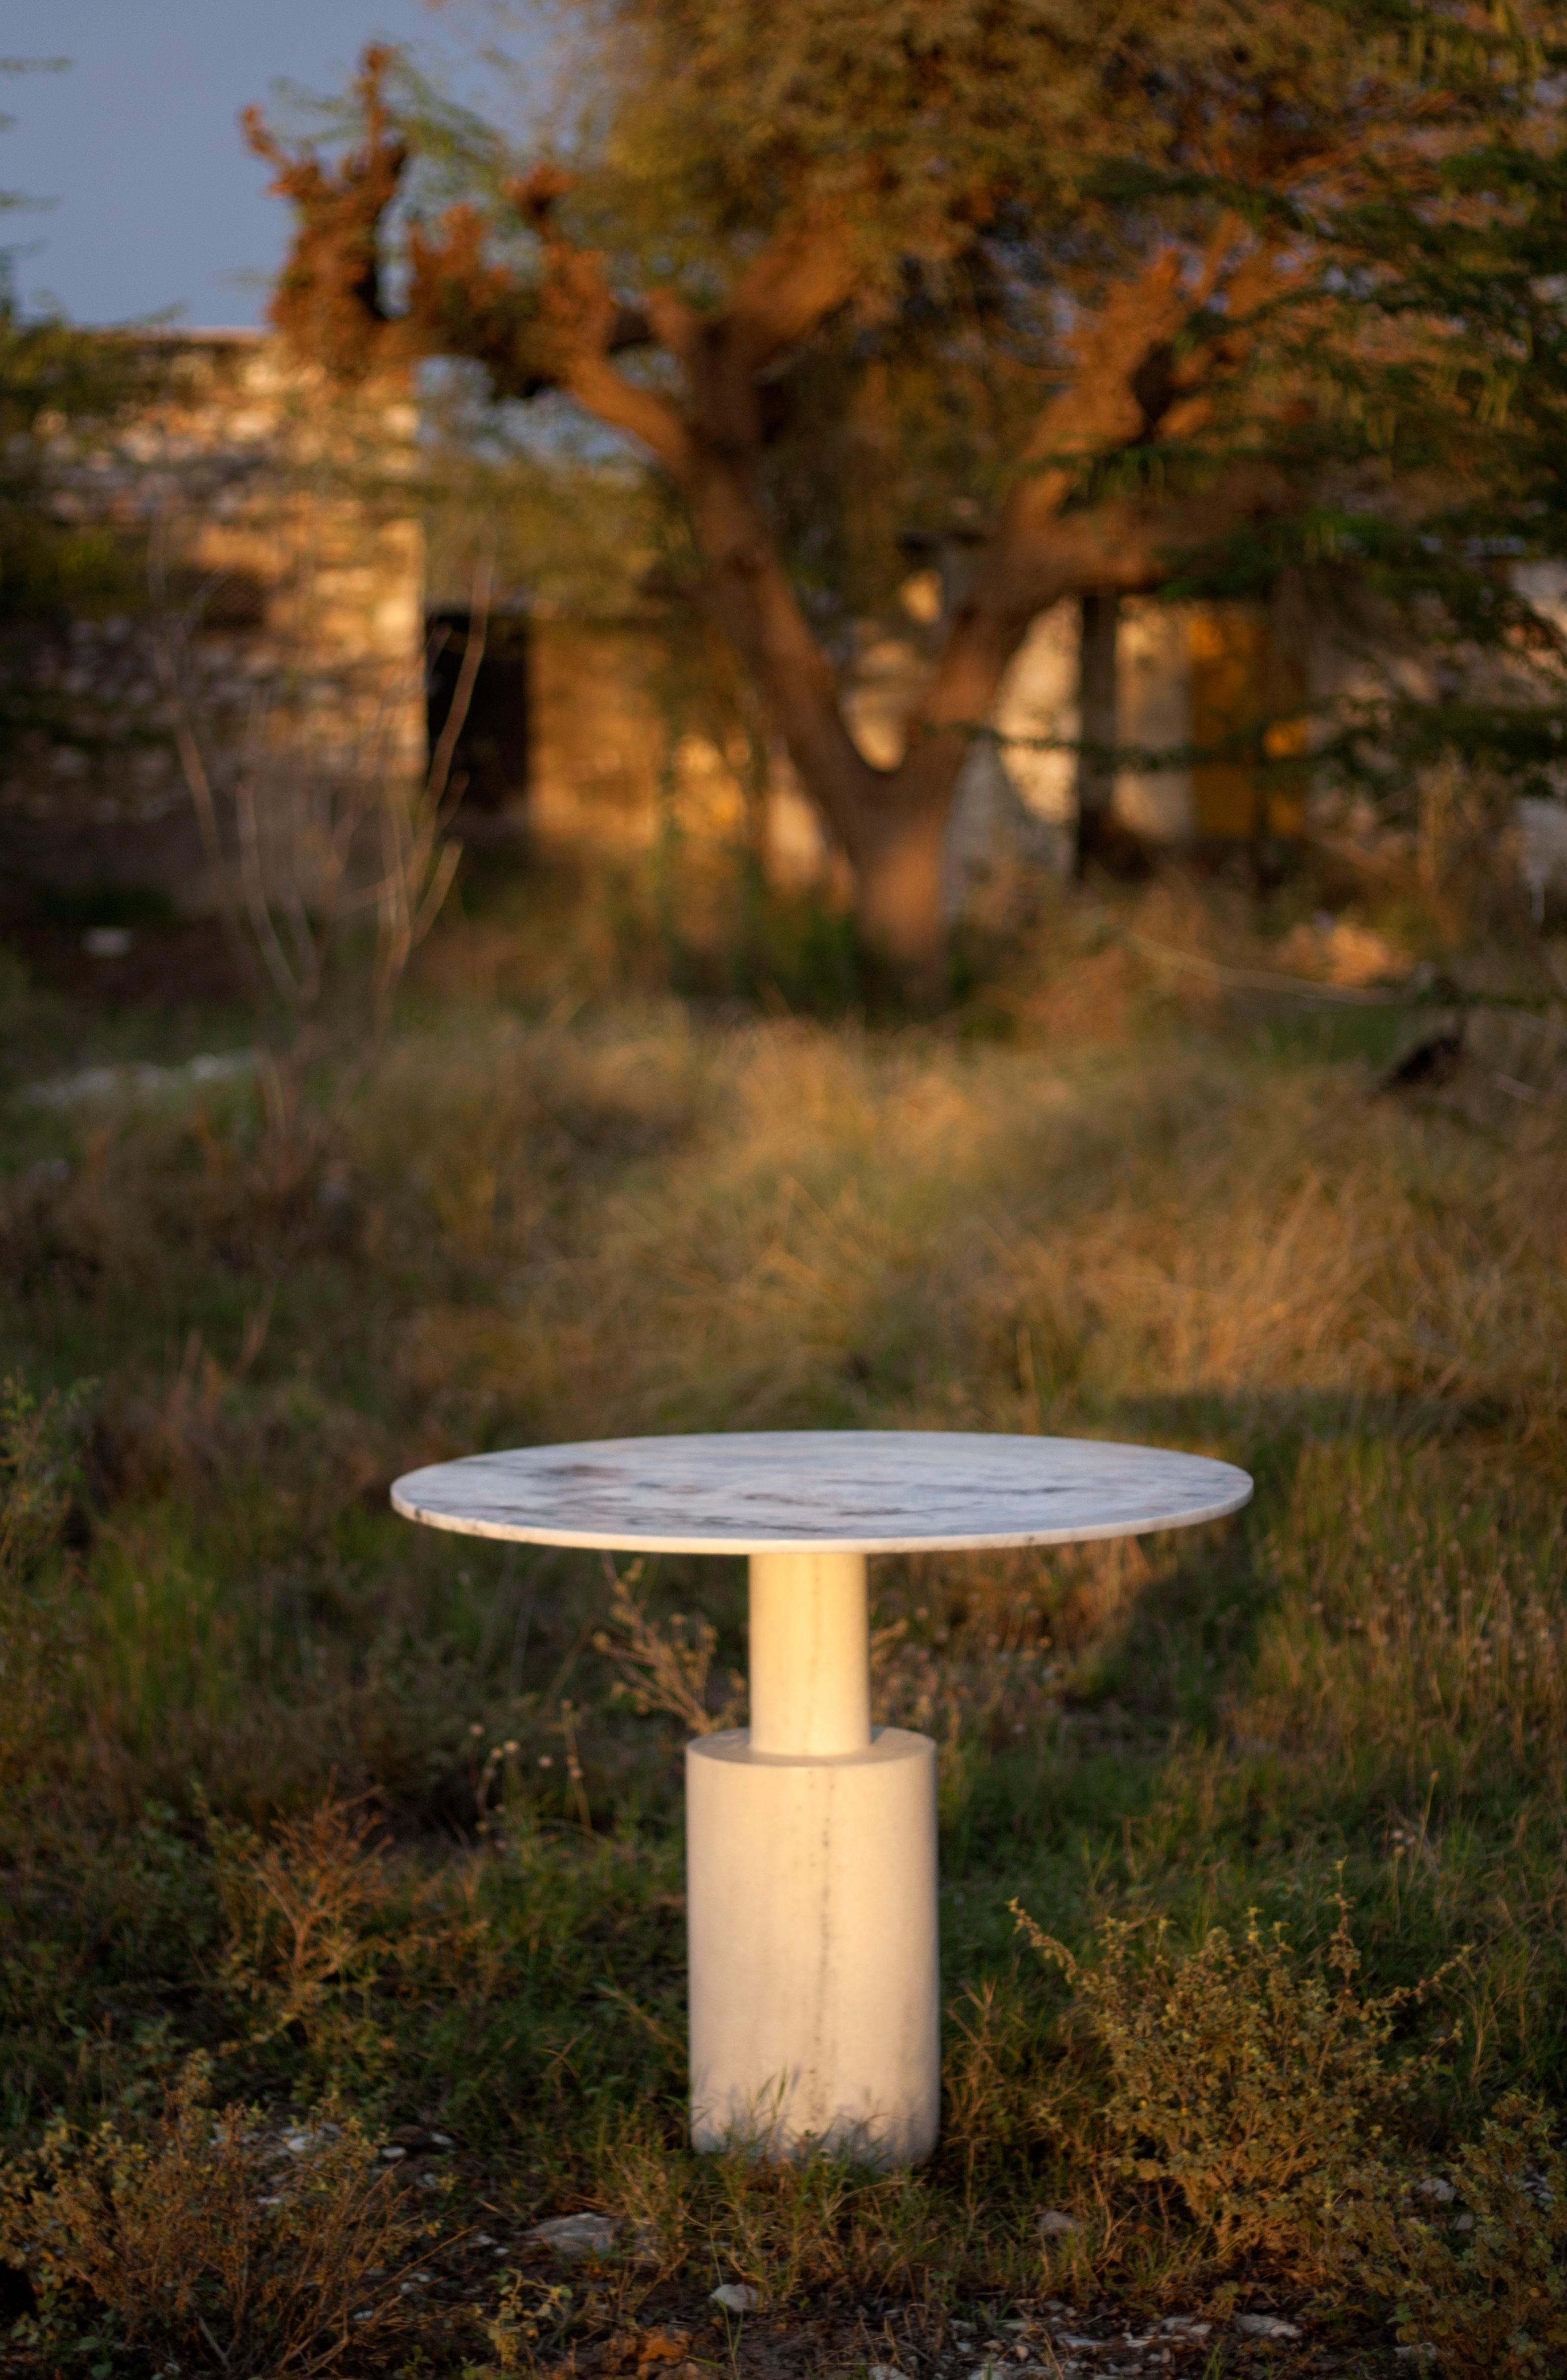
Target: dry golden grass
[(1449, 1632), (988, 1235)]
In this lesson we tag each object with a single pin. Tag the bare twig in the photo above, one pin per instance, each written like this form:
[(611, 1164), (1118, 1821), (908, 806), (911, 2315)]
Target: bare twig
[(290, 873), (467, 676)]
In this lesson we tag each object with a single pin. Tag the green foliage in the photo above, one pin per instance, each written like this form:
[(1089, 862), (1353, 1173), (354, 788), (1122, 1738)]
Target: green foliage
[(1257, 2087), (665, 1668), (1198, 282), (1436, 1653), (55, 381), (39, 1473), (1398, 388), (531, 2316), (575, 533), (323, 1933), (1475, 2262), (52, 377), (40, 1584)]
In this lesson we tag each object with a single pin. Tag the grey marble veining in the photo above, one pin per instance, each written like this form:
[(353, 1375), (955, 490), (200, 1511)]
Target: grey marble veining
[(865, 1491)]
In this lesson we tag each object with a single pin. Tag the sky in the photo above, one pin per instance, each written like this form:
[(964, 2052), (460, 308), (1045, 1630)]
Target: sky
[(158, 208)]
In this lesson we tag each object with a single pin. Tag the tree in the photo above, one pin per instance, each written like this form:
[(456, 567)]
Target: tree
[(1164, 248), (54, 379)]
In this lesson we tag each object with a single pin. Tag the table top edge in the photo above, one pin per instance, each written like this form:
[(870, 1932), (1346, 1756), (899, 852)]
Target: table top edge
[(658, 1541)]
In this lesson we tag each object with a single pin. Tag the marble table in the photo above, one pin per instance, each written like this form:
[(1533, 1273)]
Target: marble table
[(811, 1833)]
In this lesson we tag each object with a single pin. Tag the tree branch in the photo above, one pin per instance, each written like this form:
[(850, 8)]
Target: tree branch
[(1135, 382), (328, 300), (806, 275)]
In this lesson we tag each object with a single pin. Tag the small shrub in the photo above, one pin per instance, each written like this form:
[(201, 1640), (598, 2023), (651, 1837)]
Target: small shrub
[(38, 1473), (326, 1936), (531, 2316), (39, 1614), (664, 1668), (1246, 2078), (213, 2244), (1477, 2270)]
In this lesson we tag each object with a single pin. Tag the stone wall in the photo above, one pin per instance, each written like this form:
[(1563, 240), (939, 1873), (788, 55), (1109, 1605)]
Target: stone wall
[(271, 559)]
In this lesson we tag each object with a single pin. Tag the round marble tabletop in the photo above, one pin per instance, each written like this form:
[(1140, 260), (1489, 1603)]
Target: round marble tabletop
[(825, 1491)]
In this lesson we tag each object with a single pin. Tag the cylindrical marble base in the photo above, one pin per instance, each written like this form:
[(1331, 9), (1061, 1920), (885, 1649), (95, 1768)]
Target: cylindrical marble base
[(815, 1989)]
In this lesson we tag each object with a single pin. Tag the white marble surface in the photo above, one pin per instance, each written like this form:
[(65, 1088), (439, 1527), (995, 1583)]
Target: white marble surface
[(861, 1491), (816, 1980)]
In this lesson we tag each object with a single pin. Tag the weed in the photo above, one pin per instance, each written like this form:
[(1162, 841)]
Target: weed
[(1475, 2261), (39, 1471), (324, 1931), (39, 1583), (1245, 2079), (1443, 1631), (531, 2316), (212, 2243), (666, 1667)]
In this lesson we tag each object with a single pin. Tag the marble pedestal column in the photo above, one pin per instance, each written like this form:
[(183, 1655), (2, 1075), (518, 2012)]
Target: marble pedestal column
[(811, 1891)]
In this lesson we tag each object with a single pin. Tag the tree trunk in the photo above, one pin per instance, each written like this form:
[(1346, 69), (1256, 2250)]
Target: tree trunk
[(1099, 723), (899, 865), (891, 823)]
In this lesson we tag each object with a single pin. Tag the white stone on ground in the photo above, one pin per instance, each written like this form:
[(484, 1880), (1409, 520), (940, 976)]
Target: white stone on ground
[(575, 2235), (109, 1082), (1266, 2326), (734, 2297)]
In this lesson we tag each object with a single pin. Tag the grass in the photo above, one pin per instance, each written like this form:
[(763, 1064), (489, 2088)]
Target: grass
[(382, 1829)]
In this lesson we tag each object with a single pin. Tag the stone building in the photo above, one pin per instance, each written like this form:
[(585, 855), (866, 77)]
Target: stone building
[(270, 562), (275, 636)]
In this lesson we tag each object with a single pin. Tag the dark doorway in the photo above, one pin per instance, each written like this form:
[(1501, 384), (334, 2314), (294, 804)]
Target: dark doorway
[(490, 764)]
